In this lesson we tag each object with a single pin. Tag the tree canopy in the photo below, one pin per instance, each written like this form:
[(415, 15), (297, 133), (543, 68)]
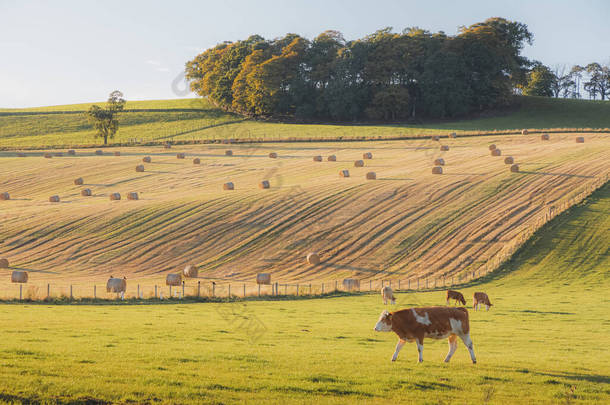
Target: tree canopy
[(105, 120), (383, 76)]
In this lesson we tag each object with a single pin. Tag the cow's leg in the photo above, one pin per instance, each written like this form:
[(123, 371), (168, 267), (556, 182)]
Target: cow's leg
[(420, 349), (448, 301), (487, 306), (399, 346), (452, 347), (468, 342)]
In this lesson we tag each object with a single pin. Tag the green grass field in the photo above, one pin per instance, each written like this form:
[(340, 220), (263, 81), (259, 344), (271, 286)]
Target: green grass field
[(545, 341), (195, 119)]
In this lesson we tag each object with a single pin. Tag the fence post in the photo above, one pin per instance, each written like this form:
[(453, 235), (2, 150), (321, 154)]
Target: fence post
[(399, 284), (297, 289), (70, 291), (309, 289), (409, 284), (259, 290), (48, 291), (370, 285), (198, 289), (285, 289), (418, 283), (229, 293), (322, 288), (170, 291), (20, 292), (138, 290), (244, 290), (213, 289), (182, 289), (155, 291), (336, 284), (277, 292)]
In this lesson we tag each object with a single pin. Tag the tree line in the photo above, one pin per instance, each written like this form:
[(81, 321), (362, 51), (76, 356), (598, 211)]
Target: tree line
[(384, 76), (594, 78)]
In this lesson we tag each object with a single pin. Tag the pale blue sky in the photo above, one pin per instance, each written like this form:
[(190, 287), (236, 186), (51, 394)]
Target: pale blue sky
[(63, 52)]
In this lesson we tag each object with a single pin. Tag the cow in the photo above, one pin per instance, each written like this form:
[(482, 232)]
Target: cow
[(387, 294), (480, 298), (415, 324), (456, 296)]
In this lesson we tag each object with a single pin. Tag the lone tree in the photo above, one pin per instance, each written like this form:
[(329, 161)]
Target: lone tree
[(104, 120)]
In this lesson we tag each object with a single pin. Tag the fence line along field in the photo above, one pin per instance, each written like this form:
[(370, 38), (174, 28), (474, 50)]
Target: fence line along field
[(405, 223)]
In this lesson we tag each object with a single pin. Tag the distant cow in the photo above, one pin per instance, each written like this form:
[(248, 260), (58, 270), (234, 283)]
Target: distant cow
[(388, 294), (415, 324), (480, 298), (456, 296)]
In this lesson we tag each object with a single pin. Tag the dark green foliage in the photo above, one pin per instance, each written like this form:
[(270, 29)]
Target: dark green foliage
[(105, 120)]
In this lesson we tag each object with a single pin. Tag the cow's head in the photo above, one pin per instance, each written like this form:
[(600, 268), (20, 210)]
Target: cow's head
[(384, 324)]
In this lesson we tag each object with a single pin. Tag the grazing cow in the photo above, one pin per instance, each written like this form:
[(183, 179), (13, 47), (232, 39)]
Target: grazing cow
[(480, 298), (415, 324), (456, 296), (388, 294)]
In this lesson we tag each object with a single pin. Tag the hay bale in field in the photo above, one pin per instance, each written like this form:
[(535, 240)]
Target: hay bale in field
[(3, 263), (509, 160), (116, 285), (350, 284), (264, 184), (313, 258), (5, 196), (492, 147), (79, 181), (54, 198), (453, 135), (99, 152), (85, 192), (437, 170), (47, 155), (115, 196), (228, 152), (344, 173), (146, 159), (20, 154), (173, 279), (140, 168), (439, 162), (273, 155), (371, 176), (59, 154), (228, 186), (190, 270), (263, 278), (317, 158), (132, 195), (332, 158), (180, 155), (435, 137), (544, 137), (71, 152), (18, 276), (117, 153), (359, 163), (367, 155), (580, 139), (496, 152), (196, 161), (444, 148), (514, 168), (524, 132)]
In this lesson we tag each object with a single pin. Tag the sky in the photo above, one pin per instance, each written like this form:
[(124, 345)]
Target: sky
[(64, 51)]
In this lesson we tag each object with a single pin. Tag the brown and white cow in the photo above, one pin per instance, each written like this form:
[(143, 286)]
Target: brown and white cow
[(456, 296), (415, 324), (388, 294), (480, 298)]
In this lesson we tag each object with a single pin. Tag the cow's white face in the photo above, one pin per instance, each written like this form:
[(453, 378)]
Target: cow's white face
[(384, 324)]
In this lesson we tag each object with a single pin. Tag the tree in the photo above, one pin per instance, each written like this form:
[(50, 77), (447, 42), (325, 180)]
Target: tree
[(576, 76), (599, 80), (105, 120), (540, 81)]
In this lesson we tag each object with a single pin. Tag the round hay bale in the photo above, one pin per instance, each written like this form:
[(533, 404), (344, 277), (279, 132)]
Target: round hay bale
[(3, 263), (5, 196), (545, 137), (524, 132), (173, 279), (190, 270), (20, 154), (47, 155), (116, 285), (263, 278), (180, 156), (59, 154), (344, 173), (18, 276), (367, 155), (196, 161), (317, 158), (514, 168), (453, 135), (444, 148), (167, 146), (492, 147), (140, 168), (99, 152), (350, 284), (85, 192), (496, 152), (313, 258), (509, 160), (359, 163), (115, 196), (228, 152), (146, 159), (264, 184), (371, 176), (54, 198), (331, 158), (71, 152), (117, 153), (437, 170), (435, 137), (132, 195), (580, 139), (273, 155), (439, 162), (79, 181), (228, 186)]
